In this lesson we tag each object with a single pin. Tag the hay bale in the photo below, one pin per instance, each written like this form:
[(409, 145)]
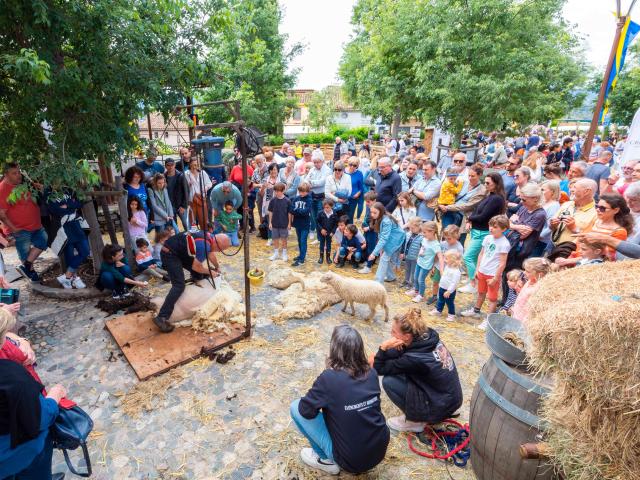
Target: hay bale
[(585, 330), (303, 298)]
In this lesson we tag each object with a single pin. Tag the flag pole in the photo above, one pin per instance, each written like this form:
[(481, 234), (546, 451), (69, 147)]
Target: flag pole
[(586, 148)]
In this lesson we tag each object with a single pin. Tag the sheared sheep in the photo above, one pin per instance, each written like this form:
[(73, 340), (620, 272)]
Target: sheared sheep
[(353, 290)]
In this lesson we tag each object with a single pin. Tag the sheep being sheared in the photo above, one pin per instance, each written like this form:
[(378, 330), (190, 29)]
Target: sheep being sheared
[(353, 290)]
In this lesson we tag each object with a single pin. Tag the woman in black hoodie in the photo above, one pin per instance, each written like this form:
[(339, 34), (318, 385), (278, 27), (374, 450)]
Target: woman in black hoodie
[(341, 415), (419, 374)]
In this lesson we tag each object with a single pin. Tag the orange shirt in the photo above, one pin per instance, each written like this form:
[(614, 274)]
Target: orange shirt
[(618, 232), (24, 213)]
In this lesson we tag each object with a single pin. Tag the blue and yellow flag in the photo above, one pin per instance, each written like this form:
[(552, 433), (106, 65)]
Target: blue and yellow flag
[(629, 32)]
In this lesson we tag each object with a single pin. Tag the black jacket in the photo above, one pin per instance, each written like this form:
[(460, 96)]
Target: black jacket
[(178, 191), (328, 223), (434, 392), (387, 190), (489, 207)]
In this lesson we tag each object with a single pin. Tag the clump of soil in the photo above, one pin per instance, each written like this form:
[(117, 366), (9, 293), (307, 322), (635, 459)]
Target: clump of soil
[(85, 272), (135, 302)]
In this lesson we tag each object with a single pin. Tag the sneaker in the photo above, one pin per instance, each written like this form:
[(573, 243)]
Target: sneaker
[(28, 274), (64, 281), (116, 296), (417, 298), (296, 258), (78, 283), (312, 236), (401, 424), (470, 312), (431, 300), (451, 318), (269, 242), (297, 263), (285, 256), (315, 242), (411, 293), (435, 312), (364, 270), (311, 459), (468, 288), (483, 326), (163, 324), (275, 256)]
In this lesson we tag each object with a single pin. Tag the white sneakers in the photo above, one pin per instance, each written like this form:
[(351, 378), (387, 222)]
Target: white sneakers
[(365, 269), (78, 283), (468, 288), (275, 256), (470, 312), (401, 424), (269, 242), (435, 312), (64, 281), (417, 298), (411, 293), (285, 256), (311, 458), (483, 325)]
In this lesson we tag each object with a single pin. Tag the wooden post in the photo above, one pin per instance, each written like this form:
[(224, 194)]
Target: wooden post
[(192, 131), (124, 221), (95, 236), (149, 127), (586, 148), (108, 220)]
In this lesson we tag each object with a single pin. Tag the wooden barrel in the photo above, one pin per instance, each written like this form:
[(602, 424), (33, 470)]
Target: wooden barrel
[(503, 415)]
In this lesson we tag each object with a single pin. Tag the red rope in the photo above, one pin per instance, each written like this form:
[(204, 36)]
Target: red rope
[(435, 436)]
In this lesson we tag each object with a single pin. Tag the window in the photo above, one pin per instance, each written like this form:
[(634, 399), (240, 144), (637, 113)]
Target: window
[(297, 114), (166, 134), (155, 134)]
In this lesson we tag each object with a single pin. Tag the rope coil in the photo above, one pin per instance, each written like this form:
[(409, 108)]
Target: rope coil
[(454, 437)]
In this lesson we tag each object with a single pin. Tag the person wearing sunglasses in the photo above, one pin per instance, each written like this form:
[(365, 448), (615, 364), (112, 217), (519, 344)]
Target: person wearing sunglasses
[(613, 218), (338, 188)]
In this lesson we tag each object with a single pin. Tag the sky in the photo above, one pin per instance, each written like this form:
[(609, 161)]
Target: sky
[(324, 26)]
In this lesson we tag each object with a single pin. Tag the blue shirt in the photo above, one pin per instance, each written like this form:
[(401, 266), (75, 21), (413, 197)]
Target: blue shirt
[(141, 193), (357, 183), (150, 170)]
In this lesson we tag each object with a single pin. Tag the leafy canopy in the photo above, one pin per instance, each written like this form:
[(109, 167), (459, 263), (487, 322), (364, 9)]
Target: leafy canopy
[(466, 63)]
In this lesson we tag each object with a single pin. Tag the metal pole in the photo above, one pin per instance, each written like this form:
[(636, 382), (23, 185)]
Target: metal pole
[(245, 233), (586, 149)]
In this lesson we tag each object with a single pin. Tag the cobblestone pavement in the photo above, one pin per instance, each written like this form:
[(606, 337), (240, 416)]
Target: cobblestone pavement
[(222, 421)]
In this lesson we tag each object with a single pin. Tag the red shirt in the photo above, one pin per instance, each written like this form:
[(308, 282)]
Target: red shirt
[(236, 174), (24, 213)]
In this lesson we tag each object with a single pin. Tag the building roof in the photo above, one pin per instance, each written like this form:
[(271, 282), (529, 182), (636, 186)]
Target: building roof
[(303, 96), (158, 124)]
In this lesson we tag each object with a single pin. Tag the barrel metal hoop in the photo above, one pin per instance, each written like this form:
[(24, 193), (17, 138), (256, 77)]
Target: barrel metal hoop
[(516, 412), (521, 380)]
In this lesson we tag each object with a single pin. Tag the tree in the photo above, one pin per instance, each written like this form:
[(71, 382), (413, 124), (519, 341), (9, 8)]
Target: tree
[(624, 100), (75, 75), (322, 109), (252, 66), (467, 63)]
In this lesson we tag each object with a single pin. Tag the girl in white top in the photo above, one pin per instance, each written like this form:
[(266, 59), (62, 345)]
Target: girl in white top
[(448, 284), (405, 210)]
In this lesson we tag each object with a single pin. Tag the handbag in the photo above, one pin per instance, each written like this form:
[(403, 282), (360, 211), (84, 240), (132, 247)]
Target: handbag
[(9, 295), (70, 431)]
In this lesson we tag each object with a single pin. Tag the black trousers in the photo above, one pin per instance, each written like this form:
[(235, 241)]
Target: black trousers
[(173, 265)]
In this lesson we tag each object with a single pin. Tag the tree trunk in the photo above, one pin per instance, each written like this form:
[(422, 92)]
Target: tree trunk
[(124, 221), (395, 126), (95, 237)]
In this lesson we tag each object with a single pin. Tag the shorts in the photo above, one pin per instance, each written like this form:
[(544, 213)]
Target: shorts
[(25, 239), (435, 276), (278, 233), (483, 286)]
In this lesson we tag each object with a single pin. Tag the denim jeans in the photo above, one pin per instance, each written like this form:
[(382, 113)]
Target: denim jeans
[(315, 430), (184, 220), (385, 267), (302, 234), (357, 254), (26, 239), (173, 265), (75, 253), (395, 386), (409, 271), (449, 302), (325, 243), (108, 281), (473, 250), (360, 206), (162, 227), (420, 279), (351, 209), (451, 218), (316, 207), (233, 236)]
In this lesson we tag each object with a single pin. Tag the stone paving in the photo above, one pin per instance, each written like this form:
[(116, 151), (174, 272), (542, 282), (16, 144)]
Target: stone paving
[(222, 421)]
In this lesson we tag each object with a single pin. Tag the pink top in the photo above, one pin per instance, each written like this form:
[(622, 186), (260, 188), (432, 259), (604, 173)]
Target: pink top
[(521, 307), (137, 231)]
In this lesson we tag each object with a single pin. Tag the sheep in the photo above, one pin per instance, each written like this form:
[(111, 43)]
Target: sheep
[(353, 290)]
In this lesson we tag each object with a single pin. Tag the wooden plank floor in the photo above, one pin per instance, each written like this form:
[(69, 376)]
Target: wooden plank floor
[(151, 352)]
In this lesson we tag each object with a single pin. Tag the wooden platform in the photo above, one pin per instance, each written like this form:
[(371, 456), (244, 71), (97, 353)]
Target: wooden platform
[(151, 352)]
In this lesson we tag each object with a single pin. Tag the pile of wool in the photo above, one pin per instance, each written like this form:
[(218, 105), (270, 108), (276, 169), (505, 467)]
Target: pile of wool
[(222, 309), (585, 330), (303, 297)]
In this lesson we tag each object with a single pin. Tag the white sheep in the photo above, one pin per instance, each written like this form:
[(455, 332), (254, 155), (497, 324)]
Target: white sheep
[(353, 290)]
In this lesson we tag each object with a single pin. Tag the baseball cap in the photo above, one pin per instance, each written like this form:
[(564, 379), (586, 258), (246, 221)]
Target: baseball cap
[(307, 151), (501, 161)]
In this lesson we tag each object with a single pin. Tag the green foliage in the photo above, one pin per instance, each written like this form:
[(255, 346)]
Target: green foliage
[(252, 66), (322, 109), (274, 140), (359, 134), (624, 100), (75, 76), (466, 64)]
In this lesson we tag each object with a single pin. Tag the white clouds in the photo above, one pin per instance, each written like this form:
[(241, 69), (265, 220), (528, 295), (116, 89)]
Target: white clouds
[(324, 26)]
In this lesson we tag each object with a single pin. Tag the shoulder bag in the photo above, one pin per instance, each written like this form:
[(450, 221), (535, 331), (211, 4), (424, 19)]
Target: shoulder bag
[(70, 431)]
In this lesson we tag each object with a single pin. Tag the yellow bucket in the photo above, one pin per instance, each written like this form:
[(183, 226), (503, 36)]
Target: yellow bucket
[(256, 276)]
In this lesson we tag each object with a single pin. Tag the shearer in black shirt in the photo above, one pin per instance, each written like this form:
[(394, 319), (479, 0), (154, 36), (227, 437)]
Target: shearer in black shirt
[(341, 415)]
